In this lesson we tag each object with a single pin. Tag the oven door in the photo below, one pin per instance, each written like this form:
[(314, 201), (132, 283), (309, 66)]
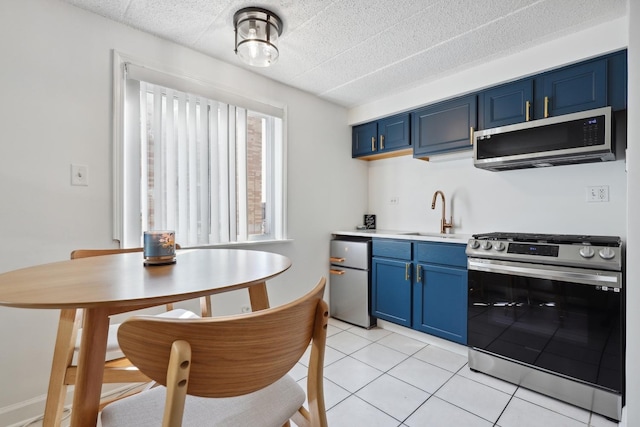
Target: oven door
[(560, 319)]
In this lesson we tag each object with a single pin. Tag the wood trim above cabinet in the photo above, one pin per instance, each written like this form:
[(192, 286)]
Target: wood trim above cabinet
[(387, 155)]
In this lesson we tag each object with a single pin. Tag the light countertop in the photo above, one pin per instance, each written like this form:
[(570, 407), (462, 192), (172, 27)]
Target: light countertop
[(408, 235)]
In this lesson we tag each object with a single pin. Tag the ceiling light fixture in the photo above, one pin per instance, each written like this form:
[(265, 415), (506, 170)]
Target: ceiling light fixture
[(257, 31)]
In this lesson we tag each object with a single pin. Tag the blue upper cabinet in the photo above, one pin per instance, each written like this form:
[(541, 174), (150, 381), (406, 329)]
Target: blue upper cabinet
[(393, 133), (584, 86), (571, 89), (506, 104), (448, 126), (364, 139), (444, 127), (617, 81), (386, 137)]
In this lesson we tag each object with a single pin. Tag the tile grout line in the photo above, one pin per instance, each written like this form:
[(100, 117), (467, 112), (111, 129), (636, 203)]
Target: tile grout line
[(454, 373)]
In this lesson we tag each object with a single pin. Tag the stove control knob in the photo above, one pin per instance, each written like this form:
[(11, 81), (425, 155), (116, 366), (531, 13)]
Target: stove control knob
[(607, 253), (486, 245), (499, 246), (474, 244), (587, 252)]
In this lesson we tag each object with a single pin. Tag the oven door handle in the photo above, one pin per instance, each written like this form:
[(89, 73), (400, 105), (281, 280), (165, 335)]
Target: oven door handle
[(563, 274)]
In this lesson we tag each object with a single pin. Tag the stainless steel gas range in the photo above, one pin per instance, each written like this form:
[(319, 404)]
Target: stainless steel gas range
[(547, 312)]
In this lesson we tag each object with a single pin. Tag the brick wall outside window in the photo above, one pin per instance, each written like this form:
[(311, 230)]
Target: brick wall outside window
[(255, 217)]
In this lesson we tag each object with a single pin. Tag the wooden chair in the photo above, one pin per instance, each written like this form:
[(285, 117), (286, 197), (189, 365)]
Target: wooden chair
[(244, 359), (117, 368)]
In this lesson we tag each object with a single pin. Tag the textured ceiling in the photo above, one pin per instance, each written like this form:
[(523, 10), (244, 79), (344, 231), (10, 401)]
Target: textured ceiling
[(351, 52)]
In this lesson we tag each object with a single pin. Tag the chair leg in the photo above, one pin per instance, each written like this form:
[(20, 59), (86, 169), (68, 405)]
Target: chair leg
[(62, 356), (205, 306)]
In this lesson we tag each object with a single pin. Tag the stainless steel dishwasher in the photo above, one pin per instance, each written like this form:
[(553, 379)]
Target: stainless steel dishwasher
[(350, 284)]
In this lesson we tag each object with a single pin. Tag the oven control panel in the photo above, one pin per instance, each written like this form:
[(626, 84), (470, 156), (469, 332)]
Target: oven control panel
[(533, 249), (575, 255)]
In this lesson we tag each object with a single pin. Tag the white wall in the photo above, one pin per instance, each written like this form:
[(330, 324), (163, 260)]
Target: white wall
[(633, 224), (56, 86), (532, 200)]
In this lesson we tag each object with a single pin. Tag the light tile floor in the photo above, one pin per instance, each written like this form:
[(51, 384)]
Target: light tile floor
[(380, 378)]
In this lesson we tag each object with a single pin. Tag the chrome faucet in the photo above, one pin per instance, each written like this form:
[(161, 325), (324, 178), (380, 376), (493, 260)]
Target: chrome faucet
[(443, 221)]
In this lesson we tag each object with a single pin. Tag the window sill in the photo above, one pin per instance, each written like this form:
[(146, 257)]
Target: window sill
[(238, 244)]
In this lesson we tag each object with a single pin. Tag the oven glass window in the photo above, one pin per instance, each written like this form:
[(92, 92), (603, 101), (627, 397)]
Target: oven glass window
[(567, 328)]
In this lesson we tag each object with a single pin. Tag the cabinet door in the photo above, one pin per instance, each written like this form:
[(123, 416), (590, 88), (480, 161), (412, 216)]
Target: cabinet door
[(444, 127), (617, 81), (393, 133), (364, 139), (440, 302), (577, 88), (506, 104), (391, 290)]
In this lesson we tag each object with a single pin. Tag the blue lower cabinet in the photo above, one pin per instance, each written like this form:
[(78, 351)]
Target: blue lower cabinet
[(391, 290), (440, 302), (421, 285)]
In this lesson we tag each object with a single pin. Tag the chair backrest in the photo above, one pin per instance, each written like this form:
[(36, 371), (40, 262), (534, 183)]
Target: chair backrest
[(232, 355)]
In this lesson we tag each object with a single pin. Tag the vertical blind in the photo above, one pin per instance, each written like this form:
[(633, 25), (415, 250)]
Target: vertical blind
[(193, 162), (183, 139), (182, 164)]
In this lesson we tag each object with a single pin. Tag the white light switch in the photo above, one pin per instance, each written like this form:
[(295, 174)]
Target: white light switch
[(79, 175)]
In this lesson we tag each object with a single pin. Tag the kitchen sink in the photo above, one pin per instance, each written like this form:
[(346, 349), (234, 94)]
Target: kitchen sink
[(427, 234)]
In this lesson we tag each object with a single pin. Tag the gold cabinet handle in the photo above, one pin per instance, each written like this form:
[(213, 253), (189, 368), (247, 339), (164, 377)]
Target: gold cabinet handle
[(419, 274), (528, 110), (546, 107), (382, 142), (336, 272), (334, 259), (471, 135), (406, 271), (373, 143)]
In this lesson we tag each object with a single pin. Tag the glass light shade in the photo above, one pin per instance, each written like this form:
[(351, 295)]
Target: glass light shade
[(257, 32)]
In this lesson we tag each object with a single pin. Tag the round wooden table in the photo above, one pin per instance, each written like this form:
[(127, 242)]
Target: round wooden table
[(111, 284)]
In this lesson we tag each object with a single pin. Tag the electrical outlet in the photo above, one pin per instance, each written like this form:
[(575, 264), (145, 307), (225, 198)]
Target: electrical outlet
[(245, 309), (395, 200), (598, 193)]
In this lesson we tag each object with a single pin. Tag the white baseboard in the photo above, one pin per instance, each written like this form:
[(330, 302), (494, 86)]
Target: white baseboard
[(21, 413), (426, 338), (29, 411)]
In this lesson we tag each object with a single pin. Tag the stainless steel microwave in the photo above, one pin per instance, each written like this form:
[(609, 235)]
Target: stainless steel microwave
[(582, 137)]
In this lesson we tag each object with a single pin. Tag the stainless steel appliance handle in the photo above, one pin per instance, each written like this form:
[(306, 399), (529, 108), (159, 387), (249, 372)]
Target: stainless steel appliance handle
[(538, 271)]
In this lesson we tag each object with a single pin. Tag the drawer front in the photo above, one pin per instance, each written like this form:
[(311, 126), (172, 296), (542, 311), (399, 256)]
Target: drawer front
[(399, 249), (441, 253)]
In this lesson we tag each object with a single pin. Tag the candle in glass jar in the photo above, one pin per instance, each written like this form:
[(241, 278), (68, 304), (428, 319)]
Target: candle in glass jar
[(159, 247)]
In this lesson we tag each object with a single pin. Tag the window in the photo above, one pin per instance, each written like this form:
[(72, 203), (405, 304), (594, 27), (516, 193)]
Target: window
[(210, 170)]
